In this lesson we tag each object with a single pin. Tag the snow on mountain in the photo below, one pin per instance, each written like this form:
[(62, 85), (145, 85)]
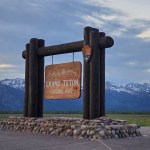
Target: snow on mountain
[(138, 87), (114, 87), (132, 97), (132, 88), (15, 83)]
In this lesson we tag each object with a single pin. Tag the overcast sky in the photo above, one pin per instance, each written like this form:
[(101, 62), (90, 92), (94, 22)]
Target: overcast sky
[(62, 21)]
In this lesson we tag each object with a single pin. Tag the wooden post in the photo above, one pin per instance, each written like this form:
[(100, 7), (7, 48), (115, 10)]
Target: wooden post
[(26, 93), (41, 43), (33, 78), (102, 78), (86, 78), (94, 76)]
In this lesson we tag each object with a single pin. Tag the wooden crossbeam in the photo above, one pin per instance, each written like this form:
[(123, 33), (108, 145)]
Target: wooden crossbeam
[(104, 42)]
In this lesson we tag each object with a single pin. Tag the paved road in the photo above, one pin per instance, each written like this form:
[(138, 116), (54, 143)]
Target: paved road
[(10, 140)]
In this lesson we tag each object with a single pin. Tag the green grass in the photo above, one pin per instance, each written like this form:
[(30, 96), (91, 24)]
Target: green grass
[(140, 119), (64, 115), (6, 116)]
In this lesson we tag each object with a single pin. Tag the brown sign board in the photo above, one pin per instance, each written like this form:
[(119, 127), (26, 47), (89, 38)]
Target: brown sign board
[(63, 81)]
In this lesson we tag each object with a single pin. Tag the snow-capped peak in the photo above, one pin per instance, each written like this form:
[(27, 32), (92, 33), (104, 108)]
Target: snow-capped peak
[(115, 87), (15, 83), (138, 87), (132, 88)]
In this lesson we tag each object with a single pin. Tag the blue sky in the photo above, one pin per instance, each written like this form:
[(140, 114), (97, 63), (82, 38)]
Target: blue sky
[(62, 21)]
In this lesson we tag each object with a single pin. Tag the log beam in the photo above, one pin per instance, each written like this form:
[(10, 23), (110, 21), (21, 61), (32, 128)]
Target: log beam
[(104, 42)]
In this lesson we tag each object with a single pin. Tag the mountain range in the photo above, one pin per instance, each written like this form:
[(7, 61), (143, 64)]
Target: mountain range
[(132, 97)]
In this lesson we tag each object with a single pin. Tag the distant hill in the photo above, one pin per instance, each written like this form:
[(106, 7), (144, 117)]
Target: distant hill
[(132, 97)]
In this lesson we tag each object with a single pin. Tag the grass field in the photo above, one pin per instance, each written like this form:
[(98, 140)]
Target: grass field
[(140, 119)]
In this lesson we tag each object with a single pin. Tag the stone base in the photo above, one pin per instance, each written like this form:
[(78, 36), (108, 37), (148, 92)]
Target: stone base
[(101, 128)]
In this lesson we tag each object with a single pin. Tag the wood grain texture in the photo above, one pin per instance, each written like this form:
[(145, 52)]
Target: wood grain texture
[(26, 92), (94, 76), (41, 43), (33, 79), (102, 78), (86, 78)]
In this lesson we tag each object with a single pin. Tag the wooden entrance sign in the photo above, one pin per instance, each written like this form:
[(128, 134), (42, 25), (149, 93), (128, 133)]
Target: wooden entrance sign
[(63, 81)]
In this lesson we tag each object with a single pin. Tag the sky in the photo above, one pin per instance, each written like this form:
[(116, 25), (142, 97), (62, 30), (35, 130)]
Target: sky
[(63, 21)]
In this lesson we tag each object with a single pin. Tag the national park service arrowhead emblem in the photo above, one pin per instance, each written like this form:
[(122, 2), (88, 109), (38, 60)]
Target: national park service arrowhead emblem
[(86, 51)]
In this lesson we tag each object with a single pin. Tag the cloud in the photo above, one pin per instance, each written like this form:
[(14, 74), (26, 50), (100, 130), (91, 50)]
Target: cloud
[(131, 63), (8, 70), (11, 71), (89, 20), (5, 66), (61, 21), (145, 35), (132, 8), (104, 18), (147, 70), (118, 18)]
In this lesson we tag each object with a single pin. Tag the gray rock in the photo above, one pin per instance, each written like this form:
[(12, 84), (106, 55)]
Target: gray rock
[(73, 126), (81, 138), (83, 127), (92, 132), (77, 132), (68, 131), (109, 132), (103, 127), (113, 132), (53, 132), (88, 132), (102, 133), (137, 131), (83, 132), (95, 137)]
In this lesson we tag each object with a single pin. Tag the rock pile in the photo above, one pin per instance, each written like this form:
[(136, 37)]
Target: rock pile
[(102, 128)]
